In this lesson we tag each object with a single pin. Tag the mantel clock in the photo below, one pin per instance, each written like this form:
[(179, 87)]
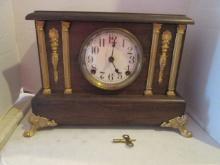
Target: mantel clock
[(115, 69)]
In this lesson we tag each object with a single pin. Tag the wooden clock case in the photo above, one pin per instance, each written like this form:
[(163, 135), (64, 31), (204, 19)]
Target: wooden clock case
[(67, 98)]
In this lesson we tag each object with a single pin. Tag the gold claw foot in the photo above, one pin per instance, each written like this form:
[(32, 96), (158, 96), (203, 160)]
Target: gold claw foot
[(180, 124), (37, 123)]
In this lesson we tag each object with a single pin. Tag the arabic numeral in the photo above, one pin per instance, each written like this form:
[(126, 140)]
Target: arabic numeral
[(120, 76), (95, 50), (90, 59), (130, 50), (111, 76), (102, 75), (132, 59)]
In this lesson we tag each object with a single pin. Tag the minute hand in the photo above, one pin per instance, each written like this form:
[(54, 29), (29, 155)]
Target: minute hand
[(113, 47)]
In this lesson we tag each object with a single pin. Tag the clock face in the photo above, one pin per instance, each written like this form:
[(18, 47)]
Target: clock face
[(111, 58)]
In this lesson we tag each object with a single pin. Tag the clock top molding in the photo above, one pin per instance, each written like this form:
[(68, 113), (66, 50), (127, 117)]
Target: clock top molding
[(109, 17)]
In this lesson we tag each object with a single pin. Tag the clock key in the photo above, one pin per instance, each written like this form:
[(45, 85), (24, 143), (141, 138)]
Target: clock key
[(125, 139)]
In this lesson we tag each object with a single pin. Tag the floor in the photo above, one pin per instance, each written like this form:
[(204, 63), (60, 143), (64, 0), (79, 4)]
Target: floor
[(93, 146)]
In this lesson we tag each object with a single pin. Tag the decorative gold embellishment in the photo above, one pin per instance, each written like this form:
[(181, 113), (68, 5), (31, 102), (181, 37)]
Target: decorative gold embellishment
[(125, 139), (43, 57), (66, 57), (68, 91), (37, 123), (54, 43), (181, 29), (46, 91), (171, 92), (166, 38), (153, 54), (175, 61), (180, 124)]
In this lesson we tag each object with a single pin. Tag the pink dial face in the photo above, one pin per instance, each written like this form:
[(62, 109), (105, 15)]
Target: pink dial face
[(111, 56)]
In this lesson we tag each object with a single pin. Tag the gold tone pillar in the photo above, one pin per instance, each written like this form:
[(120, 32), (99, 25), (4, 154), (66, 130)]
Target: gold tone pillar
[(66, 57), (153, 54), (43, 57), (175, 60)]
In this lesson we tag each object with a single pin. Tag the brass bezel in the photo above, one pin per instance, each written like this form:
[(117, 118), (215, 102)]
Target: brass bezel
[(108, 86)]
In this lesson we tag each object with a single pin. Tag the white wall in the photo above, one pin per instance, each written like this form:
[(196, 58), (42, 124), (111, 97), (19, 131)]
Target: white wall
[(200, 72), (9, 61)]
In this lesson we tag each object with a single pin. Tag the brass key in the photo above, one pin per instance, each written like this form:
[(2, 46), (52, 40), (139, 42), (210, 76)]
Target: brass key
[(126, 139)]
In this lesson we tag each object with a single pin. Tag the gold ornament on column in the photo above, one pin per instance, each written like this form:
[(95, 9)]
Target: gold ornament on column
[(166, 38), (54, 43)]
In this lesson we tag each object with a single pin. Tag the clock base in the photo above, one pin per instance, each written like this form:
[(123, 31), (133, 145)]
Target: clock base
[(90, 109), (107, 110)]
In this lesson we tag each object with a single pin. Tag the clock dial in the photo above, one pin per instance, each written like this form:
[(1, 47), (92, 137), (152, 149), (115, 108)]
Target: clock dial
[(111, 58)]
